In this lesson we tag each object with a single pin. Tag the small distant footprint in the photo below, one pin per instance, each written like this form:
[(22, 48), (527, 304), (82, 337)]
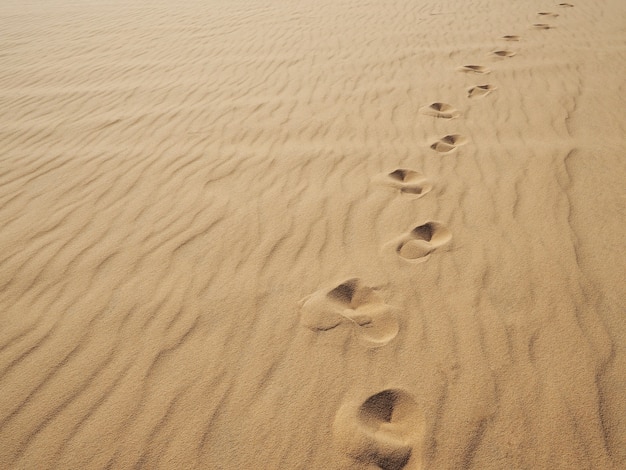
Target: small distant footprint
[(448, 143), (410, 183), (503, 53), (386, 430), (421, 241), (542, 26), (548, 14), (355, 304), (511, 37), (440, 110), (566, 5), (479, 69), (480, 90)]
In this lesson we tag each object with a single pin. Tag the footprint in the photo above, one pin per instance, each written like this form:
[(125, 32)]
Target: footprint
[(566, 5), (479, 69), (386, 430), (548, 14), (503, 53), (440, 110), (354, 304), (420, 242), (480, 90), (542, 26), (448, 143), (510, 37), (408, 182)]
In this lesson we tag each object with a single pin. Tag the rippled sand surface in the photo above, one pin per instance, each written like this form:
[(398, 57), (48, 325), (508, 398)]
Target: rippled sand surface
[(312, 235)]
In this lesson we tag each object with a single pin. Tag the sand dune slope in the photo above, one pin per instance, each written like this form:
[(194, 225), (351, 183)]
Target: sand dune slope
[(313, 235)]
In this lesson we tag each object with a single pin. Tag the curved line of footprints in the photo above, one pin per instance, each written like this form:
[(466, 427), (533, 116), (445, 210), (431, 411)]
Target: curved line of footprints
[(384, 429)]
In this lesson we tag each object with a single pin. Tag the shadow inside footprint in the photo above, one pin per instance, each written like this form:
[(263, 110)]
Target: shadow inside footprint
[(386, 430), (542, 26), (510, 37), (422, 241), (448, 143), (400, 174), (566, 5), (503, 53), (345, 292), (478, 69), (480, 90), (355, 304), (409, 182), (440, 110)]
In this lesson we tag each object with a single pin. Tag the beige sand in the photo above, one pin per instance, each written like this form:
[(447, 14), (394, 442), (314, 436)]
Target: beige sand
[(316, 235)]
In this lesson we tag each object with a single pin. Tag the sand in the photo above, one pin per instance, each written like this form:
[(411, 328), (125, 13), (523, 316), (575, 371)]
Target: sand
[(312, 235)]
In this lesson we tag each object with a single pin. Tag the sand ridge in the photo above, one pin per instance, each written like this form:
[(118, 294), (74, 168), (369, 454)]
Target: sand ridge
[(312, 235)]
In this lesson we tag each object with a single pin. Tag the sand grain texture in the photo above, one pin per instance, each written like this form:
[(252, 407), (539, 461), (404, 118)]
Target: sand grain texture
[(276, 234)]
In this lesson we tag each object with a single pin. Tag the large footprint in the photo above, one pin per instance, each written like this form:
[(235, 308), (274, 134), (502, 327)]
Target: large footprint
[(480, 90), (502, 53), (386, 430), (479, 69), (421, 241), (548, 14), (448, 143), (355, 304), (440, 110), (409, 183)]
